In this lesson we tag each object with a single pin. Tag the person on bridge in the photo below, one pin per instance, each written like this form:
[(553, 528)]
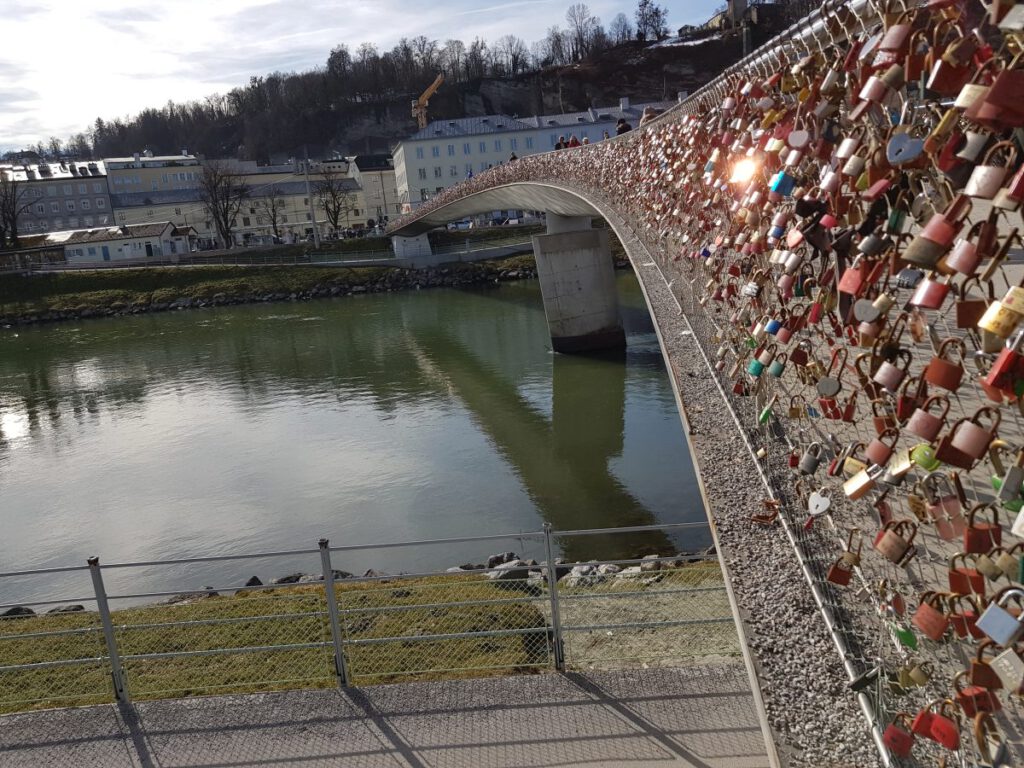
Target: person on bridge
[(512, 157), (586, 140), (606, 136), (561, 143), (622, 127), (573, 141)]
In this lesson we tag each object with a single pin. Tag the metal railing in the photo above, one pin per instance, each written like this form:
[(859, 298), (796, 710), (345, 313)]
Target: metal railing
[(332, 628)]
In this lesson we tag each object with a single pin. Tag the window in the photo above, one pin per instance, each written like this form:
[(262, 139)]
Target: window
[(70, 204), (453, 171), (451, 150), (165, 178), (483, 146), (100, 202), (309, 217), (284, 218), (85, 205), (466, 148), (87, 221), (43, 225), (469, 168), (497, 145), (73, 222), (245, 221), (54, 207), (51, 191), (419, 153), (40, 208), (97, 187), (513, 143), (437, 171), (305, 201), (92, 250), (177, 211), (68, 189), (529, 142), (435, 151), (83, 189), (422, 173)]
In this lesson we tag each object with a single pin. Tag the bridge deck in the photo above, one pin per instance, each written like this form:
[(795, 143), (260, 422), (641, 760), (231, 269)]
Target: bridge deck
[(701, 716)]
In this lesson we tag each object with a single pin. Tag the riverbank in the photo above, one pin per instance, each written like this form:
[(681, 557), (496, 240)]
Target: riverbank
[(55, 297), (465, 623)]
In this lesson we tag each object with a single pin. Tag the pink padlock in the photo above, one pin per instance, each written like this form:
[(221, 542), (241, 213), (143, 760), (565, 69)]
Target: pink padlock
[(832, 182), (972, 437), (925, 424), (964, 257), (939, 230)]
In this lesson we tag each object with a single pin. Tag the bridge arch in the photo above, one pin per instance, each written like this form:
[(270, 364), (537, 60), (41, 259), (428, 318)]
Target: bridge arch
[(573, 259)]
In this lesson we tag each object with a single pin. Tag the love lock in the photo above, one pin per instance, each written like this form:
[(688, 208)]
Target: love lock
[(818, 504)]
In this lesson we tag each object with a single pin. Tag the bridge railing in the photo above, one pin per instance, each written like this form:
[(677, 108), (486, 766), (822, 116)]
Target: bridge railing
[(88, 634)]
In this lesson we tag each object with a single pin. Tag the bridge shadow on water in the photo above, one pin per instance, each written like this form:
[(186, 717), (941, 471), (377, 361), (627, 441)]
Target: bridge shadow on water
[(563, 463)]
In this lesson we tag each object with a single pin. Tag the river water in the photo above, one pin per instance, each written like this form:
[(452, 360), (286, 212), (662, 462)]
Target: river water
[(377, 418)]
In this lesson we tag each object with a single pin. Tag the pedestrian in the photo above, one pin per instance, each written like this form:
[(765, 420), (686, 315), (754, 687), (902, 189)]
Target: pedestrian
[(649, 114), (561, 143), (606, 136), (622, 127), (512, 157), (573, 141)]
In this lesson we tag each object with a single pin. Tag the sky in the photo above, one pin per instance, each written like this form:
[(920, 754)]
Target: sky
[(63, 63)]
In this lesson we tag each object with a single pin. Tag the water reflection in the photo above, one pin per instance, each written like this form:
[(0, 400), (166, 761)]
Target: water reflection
[(396, 417)]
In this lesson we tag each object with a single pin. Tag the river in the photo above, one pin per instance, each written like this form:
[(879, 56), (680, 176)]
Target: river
[(374, 418)]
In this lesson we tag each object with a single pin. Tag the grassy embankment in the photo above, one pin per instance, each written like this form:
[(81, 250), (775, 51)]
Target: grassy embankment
[(412, 612)]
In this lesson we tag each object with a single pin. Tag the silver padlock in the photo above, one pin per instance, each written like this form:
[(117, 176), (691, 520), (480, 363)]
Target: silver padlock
[(998, 623), (1012, 480), (809, 462), (1009, 668)]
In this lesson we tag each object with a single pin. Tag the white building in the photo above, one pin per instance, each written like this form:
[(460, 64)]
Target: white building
[(448, 151), (130, 242)]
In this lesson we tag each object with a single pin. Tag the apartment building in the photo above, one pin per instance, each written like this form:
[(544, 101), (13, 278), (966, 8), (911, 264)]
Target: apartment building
[(448, 151), (62, 195), (375, 174), (145, 172)]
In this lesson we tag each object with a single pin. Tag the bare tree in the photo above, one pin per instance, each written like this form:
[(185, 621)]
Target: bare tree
[(556, 47), (452, 58), (512, 54), (620, 31), (222, 193), (334, 196), (582, 25), (14, 201), (650, 21), (272, 207)]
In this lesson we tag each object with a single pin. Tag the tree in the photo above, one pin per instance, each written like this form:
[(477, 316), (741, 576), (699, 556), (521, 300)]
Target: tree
[(272, 206), (582, 26), (334, 196), (55, 147), (620, 31), (555, 47), (512, 54), (452, 58), (14, 201), (222, 193), (650, 21)]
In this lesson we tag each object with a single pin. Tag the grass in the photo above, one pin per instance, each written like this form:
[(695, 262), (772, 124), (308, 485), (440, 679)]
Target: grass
[(386, 625)]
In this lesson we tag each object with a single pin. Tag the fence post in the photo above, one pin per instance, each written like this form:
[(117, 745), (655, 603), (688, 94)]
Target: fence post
[(556, 619), (116, 670), (340, 667)]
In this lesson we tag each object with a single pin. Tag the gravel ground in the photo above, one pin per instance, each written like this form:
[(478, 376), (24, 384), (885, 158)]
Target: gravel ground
[(816, 718)]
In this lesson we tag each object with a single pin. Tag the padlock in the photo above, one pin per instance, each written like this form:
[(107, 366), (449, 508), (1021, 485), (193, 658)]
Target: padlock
[(1012, 480), (1000, 320), (891, 374), (925, 456), (880, 449), (943, 371), (925, 424), (963, 616), (930, 616), (999, 624), (895, 541), (898, 737), (987, 178), (982, 672), (830, 384), (971, 436), (944, 726), (991, 744), (811, 459), (842, 569), (1008, 563), (974, 698), (862, 482), (964, 579), (1007, 372), (1009, 668), (944, 506), (981, 536), (778, 365)]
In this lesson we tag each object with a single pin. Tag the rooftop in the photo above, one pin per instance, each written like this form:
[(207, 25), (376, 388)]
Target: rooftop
[(97, 234), (70, 169)]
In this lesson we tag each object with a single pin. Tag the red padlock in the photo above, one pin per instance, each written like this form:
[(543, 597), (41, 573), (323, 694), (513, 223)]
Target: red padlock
[(964, 579), (973, 698), (930, 617), (964, 620), (899, 736), (981, 537)]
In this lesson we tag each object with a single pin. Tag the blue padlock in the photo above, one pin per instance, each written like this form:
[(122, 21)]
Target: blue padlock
[(783, 183), (773, 326)]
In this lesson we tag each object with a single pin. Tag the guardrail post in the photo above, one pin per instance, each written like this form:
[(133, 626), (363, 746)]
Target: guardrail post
[(340, 666), (556, 619), (116, 670)]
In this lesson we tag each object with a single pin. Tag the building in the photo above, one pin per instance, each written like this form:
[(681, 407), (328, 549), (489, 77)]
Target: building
[(144, 172), (448, 151), (375, 174), (276, 193), (133, 242), (59, 196)]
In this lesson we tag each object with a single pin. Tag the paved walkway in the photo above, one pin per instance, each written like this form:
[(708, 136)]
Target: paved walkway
[(700, 716)]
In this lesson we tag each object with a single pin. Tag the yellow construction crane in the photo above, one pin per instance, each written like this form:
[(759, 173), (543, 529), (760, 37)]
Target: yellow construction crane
[(419, 106)]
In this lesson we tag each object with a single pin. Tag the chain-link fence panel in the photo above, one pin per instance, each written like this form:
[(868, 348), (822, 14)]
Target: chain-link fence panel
[(444, 626)]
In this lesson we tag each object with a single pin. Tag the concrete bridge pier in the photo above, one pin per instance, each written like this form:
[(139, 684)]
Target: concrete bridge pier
[(577, 282)]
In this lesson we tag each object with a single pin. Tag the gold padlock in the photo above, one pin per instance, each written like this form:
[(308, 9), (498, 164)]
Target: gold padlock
[(1000, 319)]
